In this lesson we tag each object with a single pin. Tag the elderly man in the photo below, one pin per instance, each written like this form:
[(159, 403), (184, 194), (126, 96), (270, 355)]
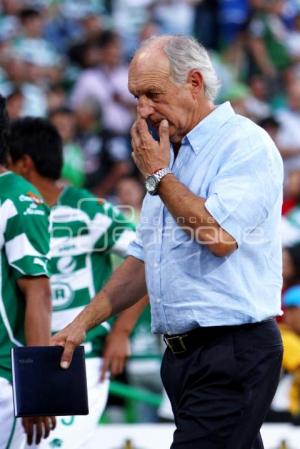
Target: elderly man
[(207, 250)]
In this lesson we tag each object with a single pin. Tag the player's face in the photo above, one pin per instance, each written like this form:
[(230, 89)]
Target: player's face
[(159, 97)]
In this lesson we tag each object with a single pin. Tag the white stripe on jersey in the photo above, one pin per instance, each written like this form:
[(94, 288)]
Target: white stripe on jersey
[(20, 247), (62, 318), (7, 211), (85, 243), (4, 315), (121, 246), (66, 214), (78, 279)]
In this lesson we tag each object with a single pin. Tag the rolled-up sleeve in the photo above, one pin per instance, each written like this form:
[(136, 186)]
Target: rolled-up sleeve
[(240, 196), (136, 248)]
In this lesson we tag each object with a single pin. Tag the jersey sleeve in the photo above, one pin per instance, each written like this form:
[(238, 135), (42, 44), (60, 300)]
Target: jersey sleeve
[(27, 236)]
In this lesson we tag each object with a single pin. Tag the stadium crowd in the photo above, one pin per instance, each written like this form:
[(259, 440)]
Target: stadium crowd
[(68, 60)]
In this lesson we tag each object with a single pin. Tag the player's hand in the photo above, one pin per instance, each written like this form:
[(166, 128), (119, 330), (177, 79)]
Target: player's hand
[(37, 428), (70, 337), (115, 354), (148, 154)]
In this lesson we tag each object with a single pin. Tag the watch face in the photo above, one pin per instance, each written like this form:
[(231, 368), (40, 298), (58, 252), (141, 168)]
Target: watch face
[(151, 184)]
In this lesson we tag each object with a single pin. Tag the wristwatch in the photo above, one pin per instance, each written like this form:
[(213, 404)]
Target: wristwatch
[(152, 181)]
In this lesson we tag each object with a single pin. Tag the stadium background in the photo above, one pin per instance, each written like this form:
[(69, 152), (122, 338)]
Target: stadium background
[(67, 60)]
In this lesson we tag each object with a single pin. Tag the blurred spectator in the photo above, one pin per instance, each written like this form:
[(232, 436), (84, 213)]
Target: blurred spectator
[(232, 17), (73, 167), (293, 41), (129, 194), (14, 104), (291, 266), (257, 102), (105, 152), (286, 403), (174, 16), (288, 138), (206, 28), (268, 41), (238, 95), (291, 227), (84, 54), (291, 192), (271, 125), (107, 85), (56, 97), (129, 16)]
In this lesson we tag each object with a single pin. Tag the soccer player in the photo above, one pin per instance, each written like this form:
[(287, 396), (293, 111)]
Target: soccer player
[(25, 304), (84, 232)]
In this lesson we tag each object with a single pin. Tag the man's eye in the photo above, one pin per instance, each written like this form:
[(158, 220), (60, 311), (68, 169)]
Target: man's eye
[(153, 95)]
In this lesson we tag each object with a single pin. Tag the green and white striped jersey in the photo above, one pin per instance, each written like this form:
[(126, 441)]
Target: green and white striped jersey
[(24, 245), (84, 233)]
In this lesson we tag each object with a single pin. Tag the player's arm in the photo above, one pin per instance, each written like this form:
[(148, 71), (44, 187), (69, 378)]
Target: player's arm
[(36, 292), (117, 349), (126, 286), (37, 296)]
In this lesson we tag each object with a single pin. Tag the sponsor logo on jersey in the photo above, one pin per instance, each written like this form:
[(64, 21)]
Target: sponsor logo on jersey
[(66, 264), (62, 295), (31, 197), (32, 210)]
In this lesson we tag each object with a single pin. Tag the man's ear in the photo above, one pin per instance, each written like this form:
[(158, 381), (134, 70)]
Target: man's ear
[(195, 80)]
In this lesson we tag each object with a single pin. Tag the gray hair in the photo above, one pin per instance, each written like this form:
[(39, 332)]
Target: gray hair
[(184, 54)]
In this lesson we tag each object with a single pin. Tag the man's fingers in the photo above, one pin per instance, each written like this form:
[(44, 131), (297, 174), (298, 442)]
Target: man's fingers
[(104, 369), (117, 365), (135, 138), (164, 133), (38, 430), (53, 422), (47, 427), (28, 427), (67, 355)]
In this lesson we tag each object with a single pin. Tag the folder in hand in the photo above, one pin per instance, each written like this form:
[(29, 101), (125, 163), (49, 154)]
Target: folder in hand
[(42, 388)]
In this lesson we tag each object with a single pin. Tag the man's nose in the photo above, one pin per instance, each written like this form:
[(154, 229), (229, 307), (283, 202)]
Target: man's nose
[(144, 107)]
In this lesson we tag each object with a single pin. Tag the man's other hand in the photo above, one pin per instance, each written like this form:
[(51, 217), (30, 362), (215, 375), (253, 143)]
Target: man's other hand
[(70, 337), (115, 354), (37, 428)]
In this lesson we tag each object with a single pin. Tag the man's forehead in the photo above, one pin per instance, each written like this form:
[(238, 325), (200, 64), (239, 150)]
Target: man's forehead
[(148, 64)]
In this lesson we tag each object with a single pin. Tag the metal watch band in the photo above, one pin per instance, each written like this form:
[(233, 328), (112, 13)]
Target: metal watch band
[(159, 174)]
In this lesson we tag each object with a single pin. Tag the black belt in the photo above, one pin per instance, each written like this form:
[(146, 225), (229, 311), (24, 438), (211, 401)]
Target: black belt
[(188, 341)]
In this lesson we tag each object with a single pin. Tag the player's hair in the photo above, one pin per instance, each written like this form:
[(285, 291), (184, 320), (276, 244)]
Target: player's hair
[(39, 139), (184, 54), (4, 129)]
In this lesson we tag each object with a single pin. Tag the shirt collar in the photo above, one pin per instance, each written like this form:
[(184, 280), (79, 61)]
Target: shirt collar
[(198, 137)]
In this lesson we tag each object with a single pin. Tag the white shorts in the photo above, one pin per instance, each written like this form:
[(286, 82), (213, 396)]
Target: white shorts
[(11, 431), (72, 432)]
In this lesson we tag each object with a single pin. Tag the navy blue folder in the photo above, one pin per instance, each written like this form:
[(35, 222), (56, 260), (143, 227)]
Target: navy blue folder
[(42, 388)]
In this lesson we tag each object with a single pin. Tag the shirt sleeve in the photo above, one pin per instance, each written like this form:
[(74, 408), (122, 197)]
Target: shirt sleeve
[(27, 240), (245, 189), (136, 246)]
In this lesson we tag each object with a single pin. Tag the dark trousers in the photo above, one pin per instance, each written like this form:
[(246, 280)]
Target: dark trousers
[(222, 388)]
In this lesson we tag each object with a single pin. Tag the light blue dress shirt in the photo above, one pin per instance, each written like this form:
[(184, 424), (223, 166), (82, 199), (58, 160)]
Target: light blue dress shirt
[(232, 163)]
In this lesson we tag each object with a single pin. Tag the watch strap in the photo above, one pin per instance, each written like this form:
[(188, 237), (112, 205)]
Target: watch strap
[(160, 174)]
